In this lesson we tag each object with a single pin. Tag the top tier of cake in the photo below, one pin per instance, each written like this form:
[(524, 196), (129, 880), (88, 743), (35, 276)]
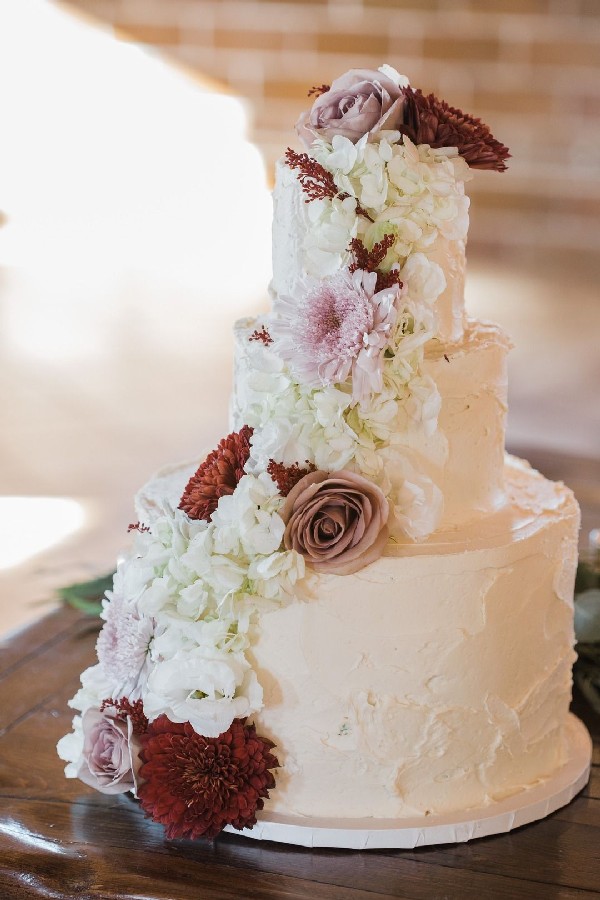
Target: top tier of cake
[(370, 364), (302, 250)]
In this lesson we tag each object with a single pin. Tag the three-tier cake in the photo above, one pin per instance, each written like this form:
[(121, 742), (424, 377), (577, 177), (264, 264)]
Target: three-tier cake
[(355, 607)]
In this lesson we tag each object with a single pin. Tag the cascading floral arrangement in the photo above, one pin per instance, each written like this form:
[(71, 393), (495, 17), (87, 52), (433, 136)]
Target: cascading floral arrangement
[(301, 487)]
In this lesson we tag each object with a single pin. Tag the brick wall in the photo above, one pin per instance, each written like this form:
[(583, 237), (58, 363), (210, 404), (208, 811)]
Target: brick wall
[(529, 68)]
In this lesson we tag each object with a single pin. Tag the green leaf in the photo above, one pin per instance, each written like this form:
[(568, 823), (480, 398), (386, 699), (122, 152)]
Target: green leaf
[(87, 595)]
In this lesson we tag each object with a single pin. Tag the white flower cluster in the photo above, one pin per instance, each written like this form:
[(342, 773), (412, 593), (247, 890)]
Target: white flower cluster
[(179, 619), (414, 192), (294, 423)]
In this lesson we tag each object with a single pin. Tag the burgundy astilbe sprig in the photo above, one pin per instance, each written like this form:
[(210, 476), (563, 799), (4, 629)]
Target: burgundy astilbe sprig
[(218, 475), (319, 89), (370, 260), (429, 120), (317, 183), (125, 709), (196, 785), (137, 526), (263, 336), (287, 477)]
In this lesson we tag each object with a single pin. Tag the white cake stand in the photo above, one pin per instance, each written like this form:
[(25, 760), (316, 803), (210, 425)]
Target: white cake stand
[(377, 834)]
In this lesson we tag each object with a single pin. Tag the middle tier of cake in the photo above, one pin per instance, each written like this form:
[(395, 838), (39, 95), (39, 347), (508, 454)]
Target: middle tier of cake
[(464, 457)]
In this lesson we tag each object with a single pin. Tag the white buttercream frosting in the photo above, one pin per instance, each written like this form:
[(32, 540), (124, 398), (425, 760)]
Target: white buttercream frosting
[(430, 682)]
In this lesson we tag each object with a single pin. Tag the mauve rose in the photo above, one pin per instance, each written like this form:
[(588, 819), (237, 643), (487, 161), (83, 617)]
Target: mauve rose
[(336, 521), (363, 101), (110, 753)]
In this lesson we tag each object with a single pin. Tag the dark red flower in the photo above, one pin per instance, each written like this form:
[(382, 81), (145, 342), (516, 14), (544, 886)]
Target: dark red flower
[(370, 260), (429, 120), (287, 477), (218, 475), (196, 785), (123, 708), (316, 182)]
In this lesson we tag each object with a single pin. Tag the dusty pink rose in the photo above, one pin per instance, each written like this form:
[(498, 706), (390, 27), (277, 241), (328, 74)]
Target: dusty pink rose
[(337, 521), (363, 101), (110, 753)]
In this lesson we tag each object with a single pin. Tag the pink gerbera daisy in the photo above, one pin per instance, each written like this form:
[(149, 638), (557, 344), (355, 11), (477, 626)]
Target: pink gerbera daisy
[(124, 641), (335, 328)]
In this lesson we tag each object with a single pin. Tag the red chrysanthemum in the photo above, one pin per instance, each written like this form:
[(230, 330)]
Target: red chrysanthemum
[(432, 121), (196, 785), (218, 475)]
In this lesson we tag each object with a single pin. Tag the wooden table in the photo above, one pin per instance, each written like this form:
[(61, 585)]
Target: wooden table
[(60, 839)]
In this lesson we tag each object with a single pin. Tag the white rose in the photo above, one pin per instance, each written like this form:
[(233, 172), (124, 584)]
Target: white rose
[(208, 690)]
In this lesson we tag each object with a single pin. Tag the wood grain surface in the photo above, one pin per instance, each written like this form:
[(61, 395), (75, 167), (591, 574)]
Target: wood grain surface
[(60, 839)]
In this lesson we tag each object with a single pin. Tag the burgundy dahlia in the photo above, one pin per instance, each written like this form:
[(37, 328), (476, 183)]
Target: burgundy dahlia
[(429, 120), (196, 785), (218, 475)]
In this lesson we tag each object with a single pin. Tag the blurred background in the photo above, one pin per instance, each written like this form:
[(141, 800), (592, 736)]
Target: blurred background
[(139, 138)]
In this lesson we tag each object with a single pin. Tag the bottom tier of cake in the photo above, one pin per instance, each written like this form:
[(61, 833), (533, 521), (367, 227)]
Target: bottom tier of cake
[(436, 679), (529, 805)]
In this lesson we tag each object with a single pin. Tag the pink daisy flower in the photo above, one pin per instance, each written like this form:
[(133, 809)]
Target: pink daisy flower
[(337, 327), (123, 643)]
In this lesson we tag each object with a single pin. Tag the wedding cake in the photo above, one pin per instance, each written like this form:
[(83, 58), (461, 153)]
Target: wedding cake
[(355, 606)]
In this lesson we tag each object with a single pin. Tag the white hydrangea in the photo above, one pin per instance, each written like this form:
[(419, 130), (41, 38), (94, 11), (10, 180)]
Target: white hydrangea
[(415, 192), (332, 225), (195, 588), (424, 279), (293, 423), (276, 574), (247, 521)]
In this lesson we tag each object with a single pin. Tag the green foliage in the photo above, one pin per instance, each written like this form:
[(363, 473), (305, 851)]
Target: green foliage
[(87, 595)]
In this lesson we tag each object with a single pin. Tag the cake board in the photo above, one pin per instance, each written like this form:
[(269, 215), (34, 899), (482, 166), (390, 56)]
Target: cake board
[(527, 806)]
